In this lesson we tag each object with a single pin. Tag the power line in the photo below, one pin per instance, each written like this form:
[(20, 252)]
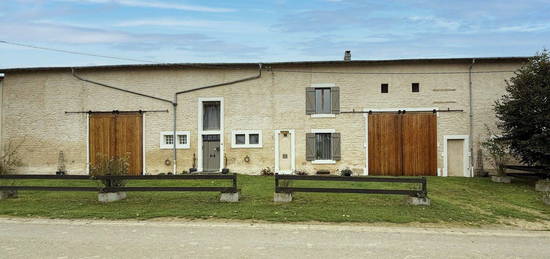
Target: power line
[(75, 52), (110, 57)]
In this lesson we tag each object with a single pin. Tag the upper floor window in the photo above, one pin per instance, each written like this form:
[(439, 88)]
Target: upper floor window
[(384, 88), (211, 115), (323, 99), (415, 87)]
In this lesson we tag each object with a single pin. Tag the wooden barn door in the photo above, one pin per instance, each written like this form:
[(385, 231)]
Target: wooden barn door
[(117, 135), (419, 136), (384, 144), (402, 144)]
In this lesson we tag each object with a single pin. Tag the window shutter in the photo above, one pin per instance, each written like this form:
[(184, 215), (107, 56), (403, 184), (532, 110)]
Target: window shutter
[(336, 146), (335, 99), (310, 146), (310, 100)]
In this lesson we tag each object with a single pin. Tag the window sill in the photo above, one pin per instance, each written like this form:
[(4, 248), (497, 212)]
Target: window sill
[(323, 162), (245, 146), (172, 147), (323, 115)]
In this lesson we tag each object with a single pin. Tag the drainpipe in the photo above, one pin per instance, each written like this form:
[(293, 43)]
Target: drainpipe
[(118, 89), (202, 88), (471, 138)]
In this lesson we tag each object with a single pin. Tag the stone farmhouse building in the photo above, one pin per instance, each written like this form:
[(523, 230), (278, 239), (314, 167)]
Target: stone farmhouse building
[(385, 117)]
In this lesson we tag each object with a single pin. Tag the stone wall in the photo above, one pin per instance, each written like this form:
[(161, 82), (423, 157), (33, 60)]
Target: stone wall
[(35, 102)]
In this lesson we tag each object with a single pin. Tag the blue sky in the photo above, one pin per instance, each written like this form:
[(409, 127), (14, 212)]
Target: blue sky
[(268, 30)]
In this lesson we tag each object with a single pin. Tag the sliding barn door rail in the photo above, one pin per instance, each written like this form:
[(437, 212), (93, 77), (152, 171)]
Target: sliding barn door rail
[(404, 111)]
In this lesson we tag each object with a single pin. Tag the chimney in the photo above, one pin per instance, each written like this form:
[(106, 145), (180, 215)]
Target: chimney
[(347, 55)]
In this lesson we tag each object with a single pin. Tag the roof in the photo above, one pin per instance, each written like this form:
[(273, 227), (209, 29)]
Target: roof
[(292, 63)]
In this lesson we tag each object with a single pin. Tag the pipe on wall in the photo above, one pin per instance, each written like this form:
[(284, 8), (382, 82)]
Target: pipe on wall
[(174, 102), (471, 138)]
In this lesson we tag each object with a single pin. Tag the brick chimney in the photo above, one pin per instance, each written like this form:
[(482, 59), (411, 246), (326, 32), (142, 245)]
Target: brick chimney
[(347, 55)]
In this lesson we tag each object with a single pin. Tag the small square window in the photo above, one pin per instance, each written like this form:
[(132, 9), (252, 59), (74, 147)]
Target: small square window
[(254, 139), (246, 139), (384, 88), (169, 139), (182, 139), (415, 87), (240, 139)]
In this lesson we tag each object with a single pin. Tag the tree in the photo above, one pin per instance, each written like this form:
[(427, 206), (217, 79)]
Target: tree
[(524, 111)]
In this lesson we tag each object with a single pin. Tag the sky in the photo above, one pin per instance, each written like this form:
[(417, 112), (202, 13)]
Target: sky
[(170, 31)]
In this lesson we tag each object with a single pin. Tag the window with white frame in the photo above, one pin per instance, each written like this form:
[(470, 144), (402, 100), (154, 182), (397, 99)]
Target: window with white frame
[(246, 139), (167, 139)]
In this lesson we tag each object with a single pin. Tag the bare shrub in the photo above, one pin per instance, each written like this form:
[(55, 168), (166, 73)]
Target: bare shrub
[(267, 172), (10, 160), (300, 172), (115, 166), (498, 151)]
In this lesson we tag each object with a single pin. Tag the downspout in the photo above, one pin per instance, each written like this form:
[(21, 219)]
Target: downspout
[(202, 88), (471, 138)]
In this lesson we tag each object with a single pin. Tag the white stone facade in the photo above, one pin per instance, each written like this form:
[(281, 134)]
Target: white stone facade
[(33, 105)]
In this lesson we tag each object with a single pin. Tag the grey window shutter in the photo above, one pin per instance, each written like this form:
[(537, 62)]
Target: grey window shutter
[(310, 100), (335, 100), (310, 146), (336, 155)]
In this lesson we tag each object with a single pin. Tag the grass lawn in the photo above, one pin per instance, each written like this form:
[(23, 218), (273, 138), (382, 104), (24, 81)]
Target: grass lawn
[(476, 201)]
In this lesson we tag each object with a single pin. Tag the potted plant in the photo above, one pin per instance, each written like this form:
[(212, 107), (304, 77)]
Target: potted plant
[(346, 172)]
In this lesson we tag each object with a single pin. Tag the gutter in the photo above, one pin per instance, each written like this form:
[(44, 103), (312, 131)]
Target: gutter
[(174, 102), (470, 97)]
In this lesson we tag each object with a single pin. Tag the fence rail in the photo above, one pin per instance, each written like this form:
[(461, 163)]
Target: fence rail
[(226, 189), (422, 192)]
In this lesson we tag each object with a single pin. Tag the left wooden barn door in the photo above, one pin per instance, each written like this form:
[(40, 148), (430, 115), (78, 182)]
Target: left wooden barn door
[(117, 135)]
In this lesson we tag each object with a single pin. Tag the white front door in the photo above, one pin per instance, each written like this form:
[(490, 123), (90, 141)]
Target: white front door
[(284, 151)]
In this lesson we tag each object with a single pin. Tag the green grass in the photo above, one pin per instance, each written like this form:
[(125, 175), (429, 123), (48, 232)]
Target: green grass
[(476, 201)]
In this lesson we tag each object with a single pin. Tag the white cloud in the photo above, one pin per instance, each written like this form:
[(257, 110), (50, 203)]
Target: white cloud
[(437, 22), (60, 34), (157, 4), (226, 26), (525, 28)]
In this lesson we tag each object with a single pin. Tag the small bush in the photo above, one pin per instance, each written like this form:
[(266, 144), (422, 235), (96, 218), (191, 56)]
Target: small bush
[(267, 172), (116, 166), (346, 172), (300, 172)]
